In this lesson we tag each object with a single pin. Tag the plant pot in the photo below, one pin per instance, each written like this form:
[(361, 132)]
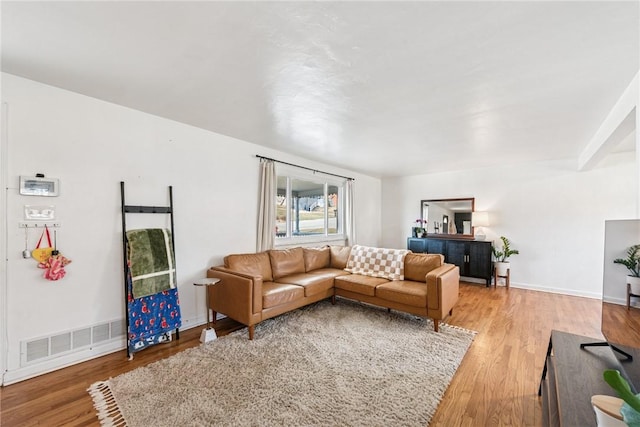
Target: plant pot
[(634, 282), (502, 267)]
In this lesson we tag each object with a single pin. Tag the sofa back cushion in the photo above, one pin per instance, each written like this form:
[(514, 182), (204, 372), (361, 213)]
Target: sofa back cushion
[(316, 258), (253, 264), (416, 266), (285, 262), (339, 256)]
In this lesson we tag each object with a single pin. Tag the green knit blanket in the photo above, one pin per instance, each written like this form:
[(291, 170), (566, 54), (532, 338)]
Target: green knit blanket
[(151, 261)]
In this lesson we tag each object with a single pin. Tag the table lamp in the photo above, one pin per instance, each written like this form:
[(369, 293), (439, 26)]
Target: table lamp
[(479, 220)]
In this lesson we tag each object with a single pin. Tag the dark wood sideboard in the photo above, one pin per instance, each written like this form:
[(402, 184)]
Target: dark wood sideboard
[(570, 377), (472, 256)]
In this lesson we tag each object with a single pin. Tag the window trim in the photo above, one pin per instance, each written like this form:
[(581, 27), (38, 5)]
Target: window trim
[(326, 180)]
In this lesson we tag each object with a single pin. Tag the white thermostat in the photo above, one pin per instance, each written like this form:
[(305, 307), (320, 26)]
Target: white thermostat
[(39, 186)]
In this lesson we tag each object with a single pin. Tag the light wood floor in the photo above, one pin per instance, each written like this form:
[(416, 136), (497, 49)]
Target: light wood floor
[(496, 384)]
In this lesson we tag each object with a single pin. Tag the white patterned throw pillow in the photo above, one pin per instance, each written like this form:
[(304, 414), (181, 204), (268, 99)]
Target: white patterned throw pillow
[(377, 262)]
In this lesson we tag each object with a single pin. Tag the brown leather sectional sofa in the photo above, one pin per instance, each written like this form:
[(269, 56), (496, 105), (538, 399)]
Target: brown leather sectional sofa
[(258, 286)]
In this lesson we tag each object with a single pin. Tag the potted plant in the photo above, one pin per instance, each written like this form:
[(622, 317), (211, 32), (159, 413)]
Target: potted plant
[(631, 262), (420, 230), (630, 410), (501, 264)]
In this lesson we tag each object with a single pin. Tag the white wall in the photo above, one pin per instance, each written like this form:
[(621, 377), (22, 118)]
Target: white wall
[(553, 214), (91, 146)]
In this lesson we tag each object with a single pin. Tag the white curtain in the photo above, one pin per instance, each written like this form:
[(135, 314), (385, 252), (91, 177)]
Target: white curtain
[(349, 215), (267, 209)]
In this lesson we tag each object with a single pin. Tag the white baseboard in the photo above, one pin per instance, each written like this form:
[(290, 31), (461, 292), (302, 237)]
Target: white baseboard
[(539, 288), (561, 291)]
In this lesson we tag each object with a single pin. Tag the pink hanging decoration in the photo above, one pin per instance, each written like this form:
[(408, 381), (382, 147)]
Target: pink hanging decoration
[(54, 267)]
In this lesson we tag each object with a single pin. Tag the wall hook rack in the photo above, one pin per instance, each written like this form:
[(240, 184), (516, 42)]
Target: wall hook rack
[(30, 224)]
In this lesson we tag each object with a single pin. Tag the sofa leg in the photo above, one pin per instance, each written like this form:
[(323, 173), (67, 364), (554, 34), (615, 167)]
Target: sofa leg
[(333, 299), (388, 310), (252, 329), (435, 325), (450, 312), (215, 316)]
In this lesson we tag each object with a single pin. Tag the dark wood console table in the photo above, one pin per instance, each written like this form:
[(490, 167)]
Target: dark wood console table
[(472, 256), (570, 377)]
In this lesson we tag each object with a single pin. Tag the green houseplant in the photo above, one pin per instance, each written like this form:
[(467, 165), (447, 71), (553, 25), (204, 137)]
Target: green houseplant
[(420, 229), (632, 264), (502, 264), (630, 410)]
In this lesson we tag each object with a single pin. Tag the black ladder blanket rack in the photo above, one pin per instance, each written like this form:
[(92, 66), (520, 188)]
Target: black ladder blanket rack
[(150, 318)]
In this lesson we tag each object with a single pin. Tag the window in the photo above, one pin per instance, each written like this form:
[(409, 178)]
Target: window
[(309, 206)]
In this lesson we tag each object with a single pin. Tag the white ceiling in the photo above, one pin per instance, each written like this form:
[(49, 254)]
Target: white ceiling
[(385, 88)]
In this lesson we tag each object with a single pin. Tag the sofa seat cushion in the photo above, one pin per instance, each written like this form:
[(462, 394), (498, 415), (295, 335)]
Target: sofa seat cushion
[(404, 292), (357, 283), (312, 283), (274, 294), (329, 272)]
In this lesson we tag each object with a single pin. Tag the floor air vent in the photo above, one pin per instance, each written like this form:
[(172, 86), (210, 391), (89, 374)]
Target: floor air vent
[(43, 348)]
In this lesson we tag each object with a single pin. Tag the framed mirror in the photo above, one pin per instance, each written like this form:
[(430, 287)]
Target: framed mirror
[(450, 218)]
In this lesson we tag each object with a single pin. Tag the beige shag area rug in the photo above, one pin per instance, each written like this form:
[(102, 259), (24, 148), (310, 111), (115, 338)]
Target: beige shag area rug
[(345, 364)]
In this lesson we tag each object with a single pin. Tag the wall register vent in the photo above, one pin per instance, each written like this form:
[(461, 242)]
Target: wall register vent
[(49, 347)]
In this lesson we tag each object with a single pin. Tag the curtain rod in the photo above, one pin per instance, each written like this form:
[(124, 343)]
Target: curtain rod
[(304, 167)]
